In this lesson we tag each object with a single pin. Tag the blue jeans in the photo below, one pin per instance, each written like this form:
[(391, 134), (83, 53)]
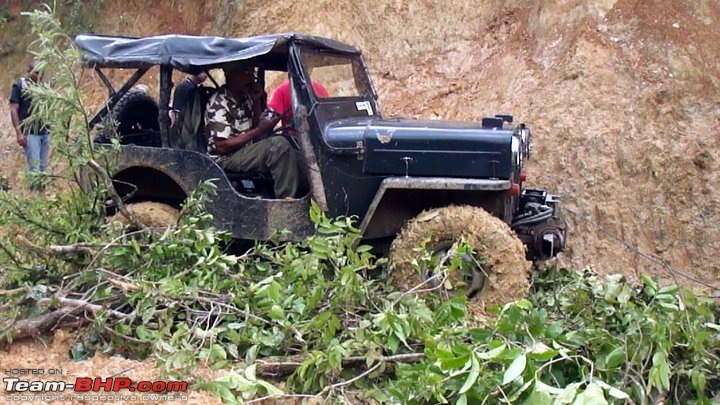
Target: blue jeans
[(37, 150)]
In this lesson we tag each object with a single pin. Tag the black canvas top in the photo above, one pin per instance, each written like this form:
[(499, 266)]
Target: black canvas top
[(188, 53)]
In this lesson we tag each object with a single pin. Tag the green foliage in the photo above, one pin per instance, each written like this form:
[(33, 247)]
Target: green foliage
[(579, 341), (77, 16)]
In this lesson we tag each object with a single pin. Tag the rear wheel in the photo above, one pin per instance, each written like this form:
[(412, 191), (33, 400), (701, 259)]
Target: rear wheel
[(151, 214), (495, 273)]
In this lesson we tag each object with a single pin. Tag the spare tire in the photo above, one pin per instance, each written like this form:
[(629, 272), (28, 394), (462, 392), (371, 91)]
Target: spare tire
[(136, 112)]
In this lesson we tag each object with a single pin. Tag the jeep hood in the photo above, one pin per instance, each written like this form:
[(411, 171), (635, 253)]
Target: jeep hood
[(424, 148)]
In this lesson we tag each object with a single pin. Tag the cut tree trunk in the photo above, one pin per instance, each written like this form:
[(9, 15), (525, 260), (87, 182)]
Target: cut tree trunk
[(33, 327)]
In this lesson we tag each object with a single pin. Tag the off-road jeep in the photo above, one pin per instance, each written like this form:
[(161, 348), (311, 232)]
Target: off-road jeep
[(418, 183)]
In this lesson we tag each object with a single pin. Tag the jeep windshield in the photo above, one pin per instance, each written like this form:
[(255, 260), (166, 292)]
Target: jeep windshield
[(338, 77)]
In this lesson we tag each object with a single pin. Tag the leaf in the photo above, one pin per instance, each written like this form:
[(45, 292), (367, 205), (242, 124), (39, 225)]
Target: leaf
[(220, 364), (671, 289), (454, 363), (276, 313), (542, 387), (659, 373), (491, 354), (250, 372), (427, 215), (218, 352), (226, 395), (612, 391), (699, 382), (568, 394), (472, 376), (540, 348), (667, 306), (515, 370), (712, 326), (593, 395), (273, 292), (524, 304), (269, 388), (650, 284), (251, 354), (514, 397), (462, 400), (393, 342), (615, 358), (538, 398)]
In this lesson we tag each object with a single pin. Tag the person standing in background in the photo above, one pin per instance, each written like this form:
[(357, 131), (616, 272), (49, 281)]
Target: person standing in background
[(182, 93), (35, 137)]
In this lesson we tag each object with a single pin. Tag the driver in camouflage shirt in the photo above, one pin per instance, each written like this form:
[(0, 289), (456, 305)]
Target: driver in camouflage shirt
[(237, 133)]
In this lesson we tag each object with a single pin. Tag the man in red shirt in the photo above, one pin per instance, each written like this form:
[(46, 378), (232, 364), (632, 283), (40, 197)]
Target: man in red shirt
[(281, 100)]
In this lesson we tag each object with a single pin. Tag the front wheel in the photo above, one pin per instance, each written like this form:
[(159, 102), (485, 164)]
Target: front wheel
[(495, 273)]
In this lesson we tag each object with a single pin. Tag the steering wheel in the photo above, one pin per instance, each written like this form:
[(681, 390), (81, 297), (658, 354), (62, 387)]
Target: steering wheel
[(284, 131)]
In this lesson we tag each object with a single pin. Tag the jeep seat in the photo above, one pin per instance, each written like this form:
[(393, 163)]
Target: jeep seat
[(253, 183)]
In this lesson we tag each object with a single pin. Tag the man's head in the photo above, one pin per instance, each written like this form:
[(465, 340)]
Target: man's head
[(143, 88), (32, 71), (238, 76), (200, 77)]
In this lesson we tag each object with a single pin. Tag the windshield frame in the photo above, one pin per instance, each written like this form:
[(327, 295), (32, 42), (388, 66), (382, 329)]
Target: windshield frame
[(360, 70)]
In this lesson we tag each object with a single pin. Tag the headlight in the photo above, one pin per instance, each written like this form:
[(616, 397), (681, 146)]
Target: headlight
[(516, 151), (526, 138)]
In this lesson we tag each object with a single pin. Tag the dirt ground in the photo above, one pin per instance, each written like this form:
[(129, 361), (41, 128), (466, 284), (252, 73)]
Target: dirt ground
[(30, 354), (621, 96)]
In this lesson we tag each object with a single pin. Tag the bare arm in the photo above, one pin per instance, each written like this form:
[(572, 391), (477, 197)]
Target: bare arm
[(233, 143), (15, 117)]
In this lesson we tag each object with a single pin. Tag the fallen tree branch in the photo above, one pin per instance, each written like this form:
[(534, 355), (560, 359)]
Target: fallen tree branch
[(14, 291), (52, 250), (222, 305), (333, 387), (84, 305), (262, 370), (282, 366), (42, 324), (281, 396), (122, 285)]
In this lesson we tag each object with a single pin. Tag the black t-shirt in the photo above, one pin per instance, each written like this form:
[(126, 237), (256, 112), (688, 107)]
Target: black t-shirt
[(25, 102), (182, 94)]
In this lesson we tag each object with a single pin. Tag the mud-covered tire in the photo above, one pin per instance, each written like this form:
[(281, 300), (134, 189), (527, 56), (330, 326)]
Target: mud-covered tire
[(491, 239), (150, 214)]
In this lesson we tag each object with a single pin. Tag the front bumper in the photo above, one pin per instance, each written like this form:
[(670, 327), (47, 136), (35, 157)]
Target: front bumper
[(539, 224)]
